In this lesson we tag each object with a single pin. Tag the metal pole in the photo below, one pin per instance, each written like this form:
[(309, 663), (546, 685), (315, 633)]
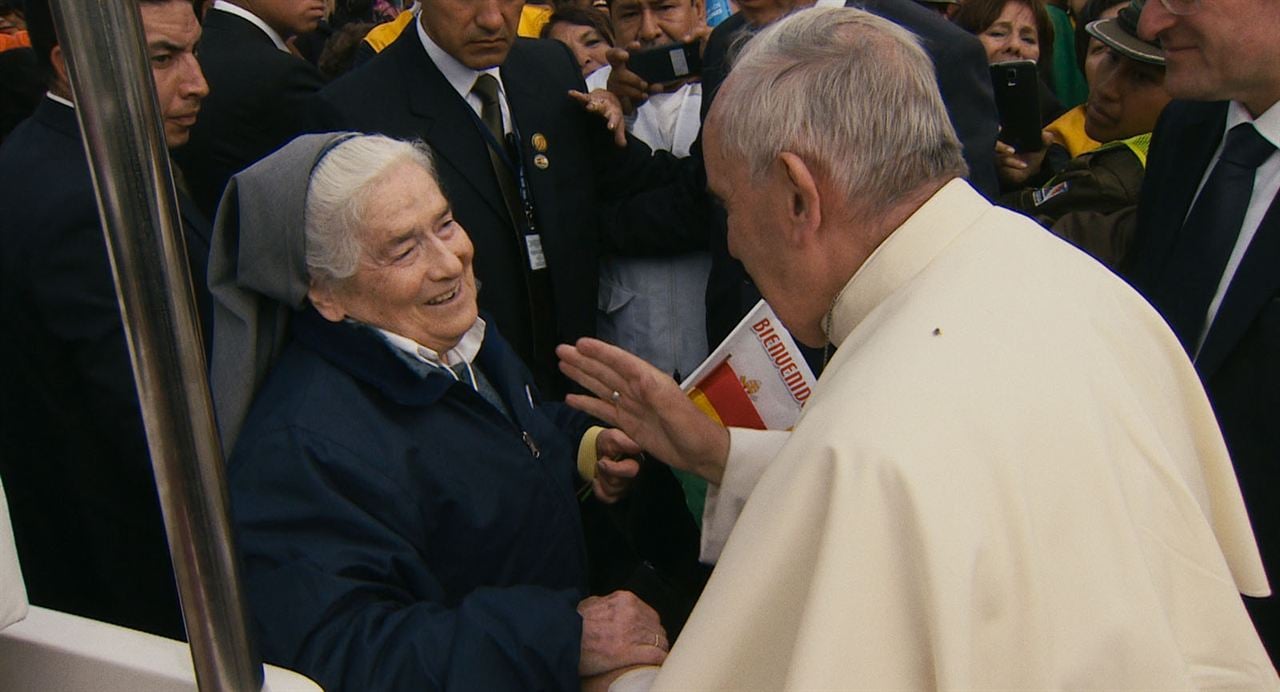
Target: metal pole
[(105, 48)]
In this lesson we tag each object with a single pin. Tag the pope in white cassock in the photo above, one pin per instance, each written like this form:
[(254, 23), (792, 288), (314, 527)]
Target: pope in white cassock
[(1008, 475)]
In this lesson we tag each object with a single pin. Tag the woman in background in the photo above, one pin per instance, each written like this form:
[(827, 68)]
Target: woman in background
[(585, 32), (1015, 30)]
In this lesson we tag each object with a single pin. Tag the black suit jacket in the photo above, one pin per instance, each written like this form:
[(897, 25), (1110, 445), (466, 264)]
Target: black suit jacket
[(72, 451), (1239, 361), (401, 93), (257, 99), (21, 87)]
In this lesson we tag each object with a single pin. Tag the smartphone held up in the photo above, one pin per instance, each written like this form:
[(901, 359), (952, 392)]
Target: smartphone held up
[(667, 63), (1017, 90)]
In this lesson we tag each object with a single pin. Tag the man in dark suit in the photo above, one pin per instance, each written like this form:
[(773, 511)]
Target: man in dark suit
[(258, 90), (528, 184), (73, 455), (1207, 249)]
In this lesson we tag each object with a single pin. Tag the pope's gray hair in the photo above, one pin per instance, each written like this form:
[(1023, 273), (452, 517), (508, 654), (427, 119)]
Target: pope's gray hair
[(847, 91), (338, 194)]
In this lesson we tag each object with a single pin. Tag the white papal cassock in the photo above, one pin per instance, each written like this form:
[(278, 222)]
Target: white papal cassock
[(1008, 477)]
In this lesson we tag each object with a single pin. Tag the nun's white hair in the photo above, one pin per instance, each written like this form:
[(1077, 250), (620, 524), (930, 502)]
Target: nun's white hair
[(338, 194)]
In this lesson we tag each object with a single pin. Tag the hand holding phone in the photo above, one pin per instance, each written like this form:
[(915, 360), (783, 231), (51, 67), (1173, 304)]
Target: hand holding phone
[(667, 63)]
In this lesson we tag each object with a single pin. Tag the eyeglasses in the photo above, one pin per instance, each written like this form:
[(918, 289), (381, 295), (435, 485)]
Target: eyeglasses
[(1181, 8)]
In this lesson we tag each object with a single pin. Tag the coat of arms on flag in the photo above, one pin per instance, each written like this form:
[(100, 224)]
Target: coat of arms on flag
[(756, 378)]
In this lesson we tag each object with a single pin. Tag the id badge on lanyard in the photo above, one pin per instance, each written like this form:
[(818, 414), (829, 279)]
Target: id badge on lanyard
[(529, 230)]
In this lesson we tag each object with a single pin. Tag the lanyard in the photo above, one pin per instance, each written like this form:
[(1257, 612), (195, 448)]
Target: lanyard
[(516, 166)]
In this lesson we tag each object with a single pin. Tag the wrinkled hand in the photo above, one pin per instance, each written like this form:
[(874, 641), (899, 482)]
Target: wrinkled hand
[(1014, 168), (617, 465), (607, 106), (619, 630), (650, 407)]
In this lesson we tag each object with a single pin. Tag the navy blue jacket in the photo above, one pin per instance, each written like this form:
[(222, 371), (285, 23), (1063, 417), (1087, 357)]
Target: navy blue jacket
[(73, 454), (399, 531)]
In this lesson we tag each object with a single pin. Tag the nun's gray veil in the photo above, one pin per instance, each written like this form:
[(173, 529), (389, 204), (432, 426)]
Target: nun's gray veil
[(258, 273)]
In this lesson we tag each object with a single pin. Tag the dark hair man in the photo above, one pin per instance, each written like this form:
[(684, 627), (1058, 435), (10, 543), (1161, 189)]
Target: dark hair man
[(1208, 239), (1093, 201), (75, 462), (258, 89)]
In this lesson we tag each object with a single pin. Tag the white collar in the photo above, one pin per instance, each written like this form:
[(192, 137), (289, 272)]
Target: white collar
[(953, 208), (465, 351), (58, 99), (459, 76), (1268, 123), (252, 19)]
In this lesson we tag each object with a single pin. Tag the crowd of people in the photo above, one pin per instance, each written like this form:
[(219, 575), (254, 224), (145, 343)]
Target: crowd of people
[(452, 259)]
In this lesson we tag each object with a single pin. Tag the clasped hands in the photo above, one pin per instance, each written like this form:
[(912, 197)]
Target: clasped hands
[(619, 632)]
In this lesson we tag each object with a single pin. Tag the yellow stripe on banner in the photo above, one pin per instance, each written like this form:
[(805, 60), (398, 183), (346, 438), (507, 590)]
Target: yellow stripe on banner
[(704, 404)]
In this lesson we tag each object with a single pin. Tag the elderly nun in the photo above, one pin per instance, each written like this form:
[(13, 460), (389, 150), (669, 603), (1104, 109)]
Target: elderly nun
[(405, 506)]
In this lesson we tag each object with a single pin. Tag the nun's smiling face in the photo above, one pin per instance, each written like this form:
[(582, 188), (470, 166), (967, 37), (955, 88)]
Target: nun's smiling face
[(415, 275)]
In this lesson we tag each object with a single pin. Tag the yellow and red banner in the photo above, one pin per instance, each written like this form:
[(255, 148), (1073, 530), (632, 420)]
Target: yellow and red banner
[(756, 378)]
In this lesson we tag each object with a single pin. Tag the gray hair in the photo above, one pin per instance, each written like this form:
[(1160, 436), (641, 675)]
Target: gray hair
[(337, 199), (848, 91)]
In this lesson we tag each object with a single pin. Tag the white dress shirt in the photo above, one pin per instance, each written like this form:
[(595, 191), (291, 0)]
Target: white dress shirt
[(58, 99), (465, 351)]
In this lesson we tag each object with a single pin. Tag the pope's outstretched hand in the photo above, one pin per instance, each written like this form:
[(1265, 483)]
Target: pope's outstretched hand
[(647, 405)]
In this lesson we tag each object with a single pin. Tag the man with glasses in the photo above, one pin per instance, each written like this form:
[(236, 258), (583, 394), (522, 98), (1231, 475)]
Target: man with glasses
[(1208, 241)]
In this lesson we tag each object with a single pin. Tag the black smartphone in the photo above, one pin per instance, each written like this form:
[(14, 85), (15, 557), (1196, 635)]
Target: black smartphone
[(1017, 86), (667, 63)]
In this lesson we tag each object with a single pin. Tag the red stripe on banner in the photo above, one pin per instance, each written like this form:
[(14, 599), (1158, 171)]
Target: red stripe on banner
[(724, 390)]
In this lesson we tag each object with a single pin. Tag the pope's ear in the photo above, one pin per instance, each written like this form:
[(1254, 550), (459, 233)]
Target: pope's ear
[(804, 208), (324, 298)]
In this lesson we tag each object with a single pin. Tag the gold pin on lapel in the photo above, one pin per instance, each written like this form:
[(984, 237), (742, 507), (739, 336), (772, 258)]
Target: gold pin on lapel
[(541, 161), (539, 141)]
